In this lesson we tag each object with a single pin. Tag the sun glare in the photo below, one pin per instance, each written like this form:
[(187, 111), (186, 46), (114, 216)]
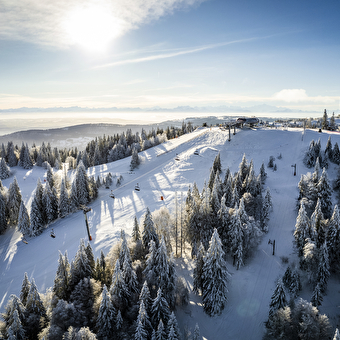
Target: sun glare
[(92, 28)]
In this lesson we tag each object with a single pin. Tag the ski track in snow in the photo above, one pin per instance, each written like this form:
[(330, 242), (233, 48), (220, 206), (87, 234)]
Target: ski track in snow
[(159, 175)]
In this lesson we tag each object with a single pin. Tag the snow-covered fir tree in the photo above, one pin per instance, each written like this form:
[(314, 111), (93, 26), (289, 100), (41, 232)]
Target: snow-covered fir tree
[(5, 171), (25, 160), (135, 161), (161, 333), (215, 278), (323, 273), (198, 270), (149, 231), (36, 216), (25, 288), (13, 203), (83, 297), (63, 202), (196, 335), (160, 309), (14, 306), (278, 299), (333, 239), (118, 290), (36, 317), (81, 266), (302, 229), (24, 220), (172, 327), (82, 185), (325, 194), (61, 281), (3, 219), (317, 297), (318, 225)]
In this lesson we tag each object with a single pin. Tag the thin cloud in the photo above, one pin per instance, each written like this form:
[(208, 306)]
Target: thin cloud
[(300, 95), (42, 22), (176, 53)]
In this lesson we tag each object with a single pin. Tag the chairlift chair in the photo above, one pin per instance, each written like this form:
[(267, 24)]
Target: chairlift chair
[(196, 153), (112, 195), (52, 234), (177, 157), (137, 188)]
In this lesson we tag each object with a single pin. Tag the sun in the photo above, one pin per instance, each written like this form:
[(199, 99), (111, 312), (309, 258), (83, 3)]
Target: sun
[(92, 28)]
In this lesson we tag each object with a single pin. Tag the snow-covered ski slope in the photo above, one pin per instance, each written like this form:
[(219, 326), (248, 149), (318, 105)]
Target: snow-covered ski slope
[(161, 175)]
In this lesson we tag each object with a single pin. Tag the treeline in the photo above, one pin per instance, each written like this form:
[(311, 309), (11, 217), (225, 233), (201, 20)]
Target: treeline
[(57, 198), (101, 150), (130, 293)]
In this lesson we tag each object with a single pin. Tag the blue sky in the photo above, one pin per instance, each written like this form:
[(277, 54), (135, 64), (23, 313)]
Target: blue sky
[(169, 53)]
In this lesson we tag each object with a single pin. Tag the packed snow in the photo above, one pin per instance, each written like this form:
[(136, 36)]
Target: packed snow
[(161, 175)]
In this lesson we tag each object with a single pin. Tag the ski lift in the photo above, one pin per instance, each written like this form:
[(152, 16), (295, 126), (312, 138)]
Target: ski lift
[(196, 152), (177, 157), (24, 240), (52, 233), (85, 209), (137, 188), (112, 195)]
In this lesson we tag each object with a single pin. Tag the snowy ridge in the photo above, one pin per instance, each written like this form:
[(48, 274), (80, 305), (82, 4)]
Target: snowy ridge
[(159, 174)]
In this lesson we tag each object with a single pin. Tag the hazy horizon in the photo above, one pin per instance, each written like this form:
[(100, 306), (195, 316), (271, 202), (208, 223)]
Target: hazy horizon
[(15, 122), (169, 53)]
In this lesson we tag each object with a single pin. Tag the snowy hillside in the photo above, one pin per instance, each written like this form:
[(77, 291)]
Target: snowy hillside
[(161, 175)]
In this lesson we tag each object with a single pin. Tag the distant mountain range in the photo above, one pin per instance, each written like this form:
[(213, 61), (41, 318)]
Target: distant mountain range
[(208, 109)]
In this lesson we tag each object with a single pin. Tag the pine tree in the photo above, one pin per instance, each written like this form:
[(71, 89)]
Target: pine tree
[(24, 220), (16, 330), (74, 202), (36, 216), (135, 161), (49, 176), (267, 206), (325, 194), (197, 335), (215, 278), (302, 229), (61, 281), (160, 309), (63, 203), (329, 150), (5, 171), (317, 298), (323, 268), (217, 164), (83, 297), (318, 225), (336, 154), (149, 231), (11, 157), (149, 271), (14, 306), (145, 297), (198, 270), (36, 317), (119, 291), (336, 335), (25, 288), (3, 220), (278, 299), (14, 201), (172, 328), (81, 266), (263, 174), (333, 239), (82, 185)]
